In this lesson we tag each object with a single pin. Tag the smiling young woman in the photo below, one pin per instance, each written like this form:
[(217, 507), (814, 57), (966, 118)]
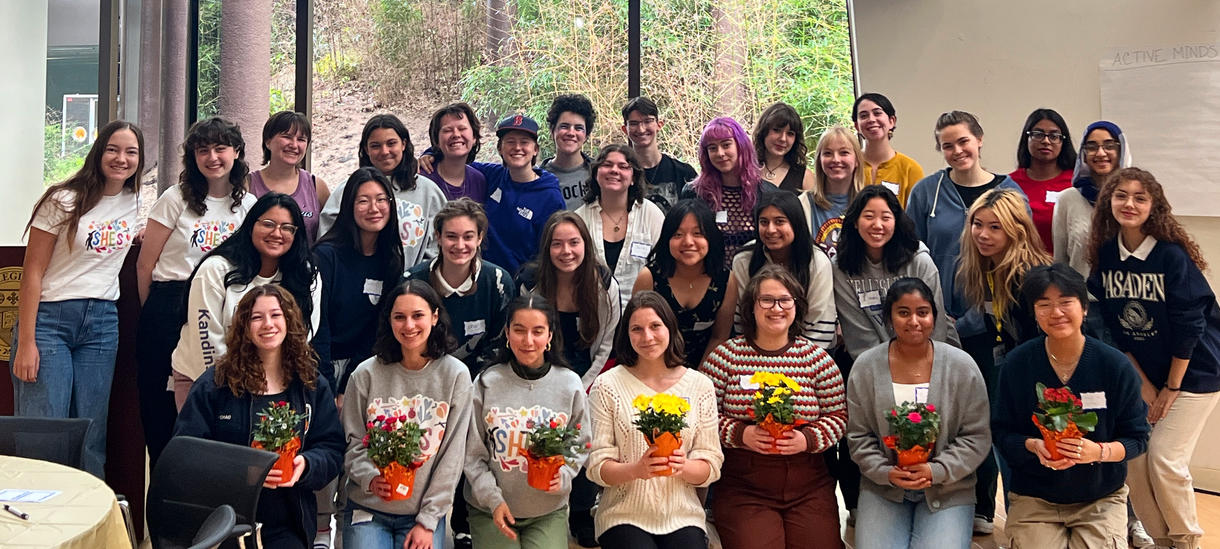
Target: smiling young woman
[(838, 177), (286, 137), (1045, 159), (730, 181), (779, 142), (875, 120)]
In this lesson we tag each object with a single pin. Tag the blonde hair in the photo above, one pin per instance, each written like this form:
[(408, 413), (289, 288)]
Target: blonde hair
[(818, 193), (1024, 251)]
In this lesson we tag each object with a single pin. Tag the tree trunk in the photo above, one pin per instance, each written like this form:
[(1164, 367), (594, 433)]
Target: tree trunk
[(148, 104), (500, 15), (728, 80), (173, 92), (245, 70)]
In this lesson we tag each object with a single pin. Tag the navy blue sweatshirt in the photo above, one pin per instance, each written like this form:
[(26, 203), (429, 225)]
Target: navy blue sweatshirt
[(214, 413), (1122, 419), (352, 286), (516, 213), (1159, 308), (476, 320)]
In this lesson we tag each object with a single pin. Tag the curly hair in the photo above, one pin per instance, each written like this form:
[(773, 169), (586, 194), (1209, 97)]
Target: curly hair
[(635, 191), (241, 369), (1161, 223), (1024, 251), (574, 103), (192, 183)]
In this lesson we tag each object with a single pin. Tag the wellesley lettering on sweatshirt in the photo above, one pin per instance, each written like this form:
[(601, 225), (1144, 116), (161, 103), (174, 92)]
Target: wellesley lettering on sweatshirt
[(437, 398), (1159, 306)]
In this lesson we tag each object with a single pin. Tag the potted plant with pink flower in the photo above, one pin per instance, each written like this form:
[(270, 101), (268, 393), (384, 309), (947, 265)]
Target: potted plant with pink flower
[(914, 428)]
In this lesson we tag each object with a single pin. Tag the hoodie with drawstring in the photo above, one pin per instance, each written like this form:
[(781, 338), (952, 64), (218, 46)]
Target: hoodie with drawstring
[(1072, 220), (940, 217)]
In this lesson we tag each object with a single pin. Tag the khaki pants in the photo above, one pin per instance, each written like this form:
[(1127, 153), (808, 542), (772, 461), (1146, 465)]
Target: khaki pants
[(1161, 489), (1034, 523)]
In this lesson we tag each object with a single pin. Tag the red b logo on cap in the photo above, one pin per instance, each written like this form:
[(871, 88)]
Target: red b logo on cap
[(517, 120)]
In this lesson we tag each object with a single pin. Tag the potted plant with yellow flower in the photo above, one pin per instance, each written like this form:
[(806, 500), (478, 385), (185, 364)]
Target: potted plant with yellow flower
[(773, 403), (661, 419)]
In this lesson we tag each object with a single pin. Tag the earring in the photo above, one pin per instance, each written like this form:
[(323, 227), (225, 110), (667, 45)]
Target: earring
[(891, 134), (548, 345)]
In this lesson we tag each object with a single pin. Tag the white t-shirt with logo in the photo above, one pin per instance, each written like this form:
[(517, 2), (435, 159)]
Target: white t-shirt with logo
[(87, 267), (193, 235)]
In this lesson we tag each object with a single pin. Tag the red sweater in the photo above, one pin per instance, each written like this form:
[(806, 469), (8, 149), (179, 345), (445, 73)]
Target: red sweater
[(821, 400), (1037, 191)]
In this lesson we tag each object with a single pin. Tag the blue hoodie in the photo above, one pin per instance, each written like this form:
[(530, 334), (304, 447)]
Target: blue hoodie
[(940, 216), (516, 214)]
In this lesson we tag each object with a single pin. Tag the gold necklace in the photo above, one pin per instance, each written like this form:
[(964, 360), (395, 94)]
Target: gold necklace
[(617, 224), (1057, 363)]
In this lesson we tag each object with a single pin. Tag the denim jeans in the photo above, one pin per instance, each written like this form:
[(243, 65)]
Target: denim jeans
[(883, 524), (384, 531), (77, 342)]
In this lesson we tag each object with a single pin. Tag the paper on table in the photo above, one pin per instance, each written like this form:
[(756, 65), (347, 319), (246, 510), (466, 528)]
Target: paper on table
[(27, 496)]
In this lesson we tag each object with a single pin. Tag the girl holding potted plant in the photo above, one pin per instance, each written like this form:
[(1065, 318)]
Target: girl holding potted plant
[(1147, 274), (529, 412), (414, 390), (1079, 497), (768, 498), (270, 366), (929, 504), (649, 501)]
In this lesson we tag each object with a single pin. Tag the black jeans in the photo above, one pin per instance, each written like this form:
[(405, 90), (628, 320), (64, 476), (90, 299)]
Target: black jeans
[(626, 536), (157, 336), (842, 468)]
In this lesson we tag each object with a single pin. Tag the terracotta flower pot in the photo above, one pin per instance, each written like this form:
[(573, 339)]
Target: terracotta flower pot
[(776, 430), (666, 443), (288, 453), (914, 456), (401, 480), (1051, 437), (541, 470)]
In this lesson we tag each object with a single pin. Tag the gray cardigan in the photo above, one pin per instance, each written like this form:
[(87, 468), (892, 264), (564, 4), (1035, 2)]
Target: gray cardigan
[(960, 397)]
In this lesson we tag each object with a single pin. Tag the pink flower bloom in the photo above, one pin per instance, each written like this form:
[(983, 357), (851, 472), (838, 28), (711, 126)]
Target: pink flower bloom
[(914, 417), (894, 412), (931, 408)]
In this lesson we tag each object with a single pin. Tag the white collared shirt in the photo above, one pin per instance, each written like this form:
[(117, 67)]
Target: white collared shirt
[(1141, 252), (464, 287)]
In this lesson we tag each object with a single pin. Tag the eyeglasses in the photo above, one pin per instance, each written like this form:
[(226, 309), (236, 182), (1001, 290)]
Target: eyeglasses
[(564, 126), (1038, 135), (1109, 146), (363, 203), (270, 224), (768, 302), (633, 124), (1045, 308)]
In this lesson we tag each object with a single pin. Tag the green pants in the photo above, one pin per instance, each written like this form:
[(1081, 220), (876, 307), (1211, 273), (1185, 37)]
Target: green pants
[(549, 531)]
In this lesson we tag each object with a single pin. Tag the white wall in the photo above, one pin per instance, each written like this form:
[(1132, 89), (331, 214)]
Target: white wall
[(23, 62), (1000, 60)]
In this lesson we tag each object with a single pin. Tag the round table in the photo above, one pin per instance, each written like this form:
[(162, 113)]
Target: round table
[(85, 514)]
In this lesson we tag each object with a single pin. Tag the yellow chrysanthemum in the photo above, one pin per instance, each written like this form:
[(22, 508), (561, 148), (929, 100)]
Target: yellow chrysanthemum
[(641, 402), (774, 400), (758, 394)]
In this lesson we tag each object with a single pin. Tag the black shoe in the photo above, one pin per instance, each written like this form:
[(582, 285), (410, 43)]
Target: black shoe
[(462, 541)]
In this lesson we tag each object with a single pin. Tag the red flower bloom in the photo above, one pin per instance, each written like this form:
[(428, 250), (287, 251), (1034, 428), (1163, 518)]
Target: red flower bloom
[(914, 417), (588, 445), (554, 425), (380, 417), (894, 412), (931, 408), (578, 426), (282, 403)]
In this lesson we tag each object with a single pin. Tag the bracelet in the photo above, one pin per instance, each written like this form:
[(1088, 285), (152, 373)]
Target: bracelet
[(1173, 389), (1105, 451)]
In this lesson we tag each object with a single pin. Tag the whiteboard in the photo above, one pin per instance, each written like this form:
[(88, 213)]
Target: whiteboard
[(1167, 102)]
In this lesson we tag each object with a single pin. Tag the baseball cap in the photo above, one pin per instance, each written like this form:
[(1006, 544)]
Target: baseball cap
[(517, 122)]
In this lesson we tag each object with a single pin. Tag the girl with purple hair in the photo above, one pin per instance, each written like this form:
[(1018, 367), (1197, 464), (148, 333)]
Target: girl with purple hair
[(729, 181)]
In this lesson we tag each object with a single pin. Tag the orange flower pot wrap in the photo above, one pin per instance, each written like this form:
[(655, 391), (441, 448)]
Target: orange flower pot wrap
[(666, 443), (776, 430), (288, 453), (401, 480), (541, 470), (1051, 437), (914, 456)]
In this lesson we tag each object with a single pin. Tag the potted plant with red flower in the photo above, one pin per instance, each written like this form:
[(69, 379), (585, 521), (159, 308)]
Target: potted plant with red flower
[(276, 431), (914, 428), (392, 444), (549, 446), (1061, 415)]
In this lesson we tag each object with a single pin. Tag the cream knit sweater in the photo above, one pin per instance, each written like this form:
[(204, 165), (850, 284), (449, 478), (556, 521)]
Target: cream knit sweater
[(658, 505)]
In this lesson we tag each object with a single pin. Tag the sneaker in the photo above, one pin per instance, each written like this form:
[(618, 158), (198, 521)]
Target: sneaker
[(983, 526), (462, 541), (1139, 537)]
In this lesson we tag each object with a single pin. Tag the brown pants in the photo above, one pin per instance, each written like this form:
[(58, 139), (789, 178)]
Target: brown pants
[(776, 502), (1034, 523)]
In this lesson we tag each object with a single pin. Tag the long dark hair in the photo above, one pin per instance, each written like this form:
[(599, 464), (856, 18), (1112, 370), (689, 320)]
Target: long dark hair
[(297, 269), (1161, 223), (192, 183), (902, 287), (675, 352), (896, 253), (403, 176), (89, 182), (440, 341), (346, 234), (1067, 154), (241, 370), (662, 263), (588, 284), (532, 301), (800, 252)]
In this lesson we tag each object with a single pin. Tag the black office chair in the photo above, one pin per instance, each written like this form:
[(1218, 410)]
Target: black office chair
[(215, 529), (194, 477), (58, 440)]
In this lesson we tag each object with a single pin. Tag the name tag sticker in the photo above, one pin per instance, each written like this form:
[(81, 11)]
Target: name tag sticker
[(700, 326), (893, 187), (639, 250), (1052, 197), (722, 217), (495, 195), (871, 298), (1093, 401), (360, 517), (747, 384), (474, 327)]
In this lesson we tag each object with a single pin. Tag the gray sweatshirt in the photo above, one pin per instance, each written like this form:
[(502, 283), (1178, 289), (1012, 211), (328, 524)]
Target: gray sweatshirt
[(416, 210), (858, 300), (504, 403), (438, 399), (957, 391)]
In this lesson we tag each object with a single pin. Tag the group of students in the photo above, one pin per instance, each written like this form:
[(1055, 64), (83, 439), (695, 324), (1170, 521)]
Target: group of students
[(477, 298)]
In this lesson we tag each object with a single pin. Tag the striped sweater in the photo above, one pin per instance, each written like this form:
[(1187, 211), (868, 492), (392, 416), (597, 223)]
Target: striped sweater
[(820, 401), (820, 315)]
